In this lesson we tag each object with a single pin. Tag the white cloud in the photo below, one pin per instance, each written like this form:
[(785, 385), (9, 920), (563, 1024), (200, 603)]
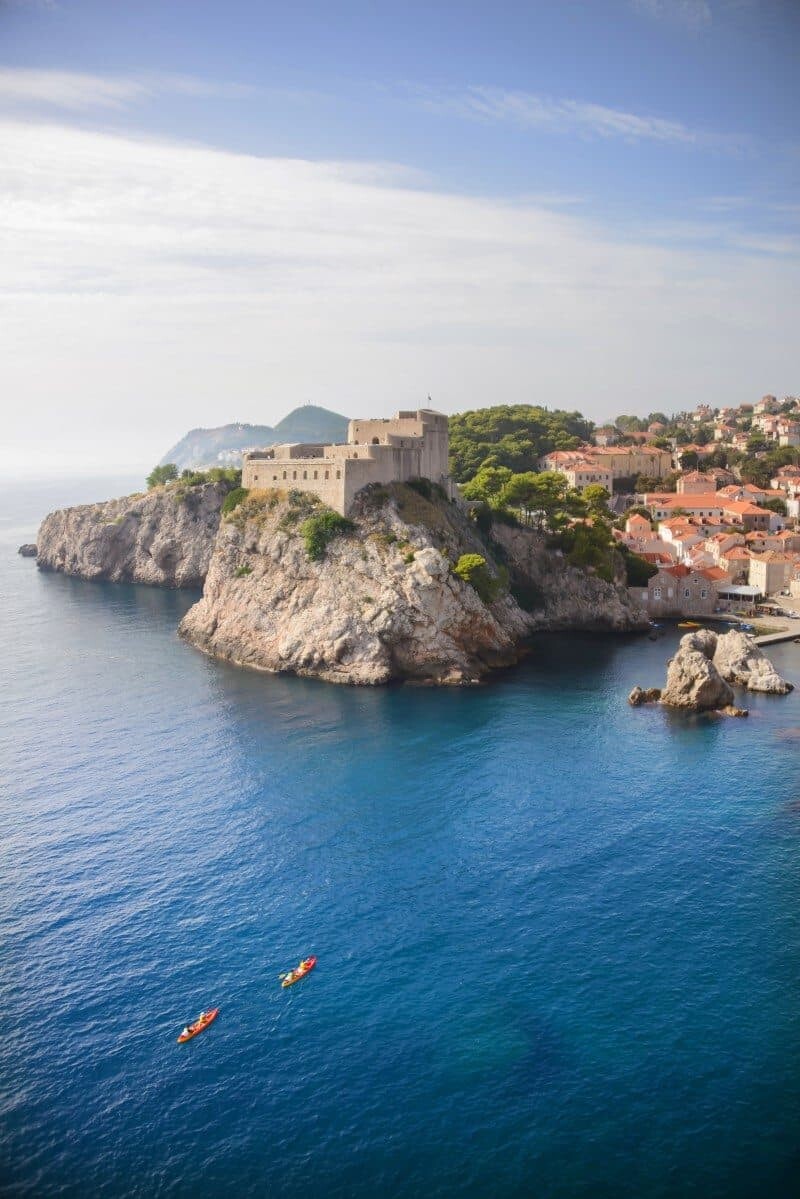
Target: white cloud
[(150, 286), (529, 110), (691, 14), (74, 91)]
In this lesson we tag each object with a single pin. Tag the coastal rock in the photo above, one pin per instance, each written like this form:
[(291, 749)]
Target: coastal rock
[(644, 695), (383, 603), (731, 710), (558, 596), (741, 662), (163, 537), (28, 550), (692, 679), (703, 640)]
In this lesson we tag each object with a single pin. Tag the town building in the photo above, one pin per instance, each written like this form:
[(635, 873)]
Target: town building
[(681, 591), (771, 571)]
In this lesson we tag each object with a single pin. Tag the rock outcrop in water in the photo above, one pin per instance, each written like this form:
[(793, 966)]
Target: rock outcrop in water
[(707, 666), (383, 603), (693, 681), (163, 537), (744, 664), (28, 550), (644, 695)]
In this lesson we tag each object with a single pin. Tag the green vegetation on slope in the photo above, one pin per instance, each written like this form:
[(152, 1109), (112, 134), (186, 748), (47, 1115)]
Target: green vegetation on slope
[(514, 436)]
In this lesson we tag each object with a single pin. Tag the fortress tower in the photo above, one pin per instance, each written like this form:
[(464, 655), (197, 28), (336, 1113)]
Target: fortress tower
[(410, 445)]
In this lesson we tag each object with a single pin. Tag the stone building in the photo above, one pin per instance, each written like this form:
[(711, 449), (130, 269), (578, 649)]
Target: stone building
[(411, 445), (681, 591)]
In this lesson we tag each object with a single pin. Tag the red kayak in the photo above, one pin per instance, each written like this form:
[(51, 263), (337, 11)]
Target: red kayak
[(201, 1023), (299, 972)]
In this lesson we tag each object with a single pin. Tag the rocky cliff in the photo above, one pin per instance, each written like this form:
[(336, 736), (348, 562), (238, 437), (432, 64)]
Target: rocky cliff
[(567, 597), (163, 537), (383, 602)]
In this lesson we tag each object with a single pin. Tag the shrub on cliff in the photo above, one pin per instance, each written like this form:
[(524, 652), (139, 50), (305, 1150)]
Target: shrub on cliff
[(637, 570), (233, 499), (472, 569), (161, 474), (320, 529)]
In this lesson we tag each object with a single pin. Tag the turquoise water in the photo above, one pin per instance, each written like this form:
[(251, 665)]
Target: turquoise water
[(558, 938)]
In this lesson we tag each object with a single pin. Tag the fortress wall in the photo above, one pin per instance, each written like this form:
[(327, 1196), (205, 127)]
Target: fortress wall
[(410, 446), (317, 475)]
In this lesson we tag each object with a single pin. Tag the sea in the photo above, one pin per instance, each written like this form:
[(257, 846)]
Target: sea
[(558, 938)]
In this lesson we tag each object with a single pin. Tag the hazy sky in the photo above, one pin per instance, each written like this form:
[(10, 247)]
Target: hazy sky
[(218, 211)]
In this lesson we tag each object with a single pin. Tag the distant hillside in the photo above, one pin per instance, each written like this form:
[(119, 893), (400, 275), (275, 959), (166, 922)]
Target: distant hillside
[(223, 446)]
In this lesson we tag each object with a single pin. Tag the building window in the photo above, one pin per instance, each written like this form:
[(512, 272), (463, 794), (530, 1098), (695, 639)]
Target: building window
[(294, 474), (315, 475), (687, 593), (375, 441), (656, 593), (338, 474), (703, 594), (284, 474), (255, 478), (327, 474), (355, 455), (274, 478), (305, 474)]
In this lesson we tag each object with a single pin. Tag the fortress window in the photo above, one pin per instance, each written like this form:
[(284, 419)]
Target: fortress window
[(376, 441), (255, 478), (355, 455), (327, 474), (338, 474), (305, 474), (316, 476), (294, 474), (274, 478), (284, 474)]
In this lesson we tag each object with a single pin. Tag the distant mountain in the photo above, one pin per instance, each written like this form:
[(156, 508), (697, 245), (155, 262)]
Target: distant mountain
[(223, 446)]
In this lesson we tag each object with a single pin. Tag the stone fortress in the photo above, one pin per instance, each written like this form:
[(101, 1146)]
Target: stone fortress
[(411, 445)]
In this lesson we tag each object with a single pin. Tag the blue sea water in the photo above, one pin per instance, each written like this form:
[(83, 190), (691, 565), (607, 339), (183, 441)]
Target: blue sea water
[(558, 937)]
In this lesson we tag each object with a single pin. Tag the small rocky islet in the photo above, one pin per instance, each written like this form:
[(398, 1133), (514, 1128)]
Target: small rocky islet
[(705, 669), (374, 598)]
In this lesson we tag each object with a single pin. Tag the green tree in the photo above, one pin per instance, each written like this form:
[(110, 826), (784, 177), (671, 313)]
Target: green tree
[(544, 496), (756, 471), (522, 491), (162, 474), (689, 460), (511, 435), (777, 505), (487, 484), (756, 442), (596, 498)]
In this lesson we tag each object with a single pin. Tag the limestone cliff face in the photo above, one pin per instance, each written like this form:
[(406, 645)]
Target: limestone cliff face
[(568, 597), (164, 537), (382, 604)]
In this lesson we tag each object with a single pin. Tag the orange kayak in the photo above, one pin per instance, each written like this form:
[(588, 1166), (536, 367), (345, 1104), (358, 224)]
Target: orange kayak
[(202, 1022), (299, 972)]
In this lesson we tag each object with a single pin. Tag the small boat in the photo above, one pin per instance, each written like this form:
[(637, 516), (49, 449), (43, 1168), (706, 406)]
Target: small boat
[(299, 972), (200, 1024), (688, 624)]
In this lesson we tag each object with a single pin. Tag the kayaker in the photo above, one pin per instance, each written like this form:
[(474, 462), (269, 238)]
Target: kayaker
[(185, 1032)]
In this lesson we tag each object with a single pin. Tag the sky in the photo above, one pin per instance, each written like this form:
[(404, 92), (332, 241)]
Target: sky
[(218, 211)]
